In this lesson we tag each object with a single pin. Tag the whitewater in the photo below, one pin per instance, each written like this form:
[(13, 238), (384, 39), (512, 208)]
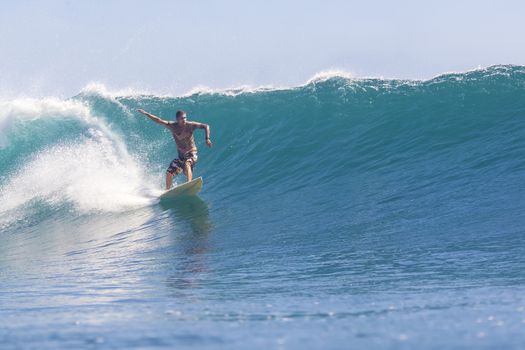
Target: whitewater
[(342, 213)]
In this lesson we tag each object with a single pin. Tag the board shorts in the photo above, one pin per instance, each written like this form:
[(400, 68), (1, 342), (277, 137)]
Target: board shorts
[(177, 164)]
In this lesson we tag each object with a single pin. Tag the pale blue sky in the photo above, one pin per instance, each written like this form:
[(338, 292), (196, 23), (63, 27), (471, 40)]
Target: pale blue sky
[(57, 47)]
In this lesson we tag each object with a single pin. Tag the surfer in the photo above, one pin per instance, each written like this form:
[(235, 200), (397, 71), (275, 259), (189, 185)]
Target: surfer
[(182, 131)]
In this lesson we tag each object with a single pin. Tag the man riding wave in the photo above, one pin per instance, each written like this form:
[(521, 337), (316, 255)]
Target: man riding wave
[(182, 131)]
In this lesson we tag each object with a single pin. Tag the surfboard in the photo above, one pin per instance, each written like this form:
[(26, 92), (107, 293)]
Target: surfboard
[(190, 188)]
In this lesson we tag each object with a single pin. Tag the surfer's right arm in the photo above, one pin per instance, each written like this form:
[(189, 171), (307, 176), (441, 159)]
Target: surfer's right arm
[(154, 117)]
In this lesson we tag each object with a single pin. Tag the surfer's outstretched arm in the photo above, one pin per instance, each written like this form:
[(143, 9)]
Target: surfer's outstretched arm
[(153, 117)]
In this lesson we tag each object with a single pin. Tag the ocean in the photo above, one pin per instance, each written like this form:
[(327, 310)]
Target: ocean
[(342, 213)]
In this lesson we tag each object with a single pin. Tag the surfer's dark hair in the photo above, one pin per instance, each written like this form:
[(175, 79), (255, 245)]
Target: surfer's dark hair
[(179, 114)]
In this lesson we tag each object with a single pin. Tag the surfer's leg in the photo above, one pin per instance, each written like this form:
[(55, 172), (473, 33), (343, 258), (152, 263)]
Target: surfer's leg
[(173, 169), (187, 170), (169, 180), (189, 161)]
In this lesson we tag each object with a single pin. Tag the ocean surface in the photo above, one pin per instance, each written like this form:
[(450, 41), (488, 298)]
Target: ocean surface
[(343, 213)]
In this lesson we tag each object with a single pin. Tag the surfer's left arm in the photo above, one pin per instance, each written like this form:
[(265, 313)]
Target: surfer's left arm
[(206, 127)]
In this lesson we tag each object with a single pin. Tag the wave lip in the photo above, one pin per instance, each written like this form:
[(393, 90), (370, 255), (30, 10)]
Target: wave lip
[(29, 109), (57, 152), (96, 88)]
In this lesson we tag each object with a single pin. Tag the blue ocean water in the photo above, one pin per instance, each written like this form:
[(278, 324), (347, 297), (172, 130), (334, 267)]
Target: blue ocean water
[(344, 213)]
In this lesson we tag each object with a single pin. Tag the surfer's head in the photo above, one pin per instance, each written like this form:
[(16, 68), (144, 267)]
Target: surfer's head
[(181, 117)]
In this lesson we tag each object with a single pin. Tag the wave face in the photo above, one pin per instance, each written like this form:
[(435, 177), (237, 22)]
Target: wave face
[(443, 144), (382, 184)]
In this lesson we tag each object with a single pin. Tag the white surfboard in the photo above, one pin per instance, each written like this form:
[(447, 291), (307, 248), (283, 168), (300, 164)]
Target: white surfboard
[(186, 189)]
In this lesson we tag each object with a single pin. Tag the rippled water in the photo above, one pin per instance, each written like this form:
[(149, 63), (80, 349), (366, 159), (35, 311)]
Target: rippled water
[(341, 214)]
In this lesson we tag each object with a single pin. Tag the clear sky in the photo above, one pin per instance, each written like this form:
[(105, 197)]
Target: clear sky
[(57, 47)]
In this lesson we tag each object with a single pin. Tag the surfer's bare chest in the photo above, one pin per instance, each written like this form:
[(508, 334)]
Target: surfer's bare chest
[(181, 131)]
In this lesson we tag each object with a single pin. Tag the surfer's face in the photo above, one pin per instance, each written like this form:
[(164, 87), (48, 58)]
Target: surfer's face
[(182, 119)]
